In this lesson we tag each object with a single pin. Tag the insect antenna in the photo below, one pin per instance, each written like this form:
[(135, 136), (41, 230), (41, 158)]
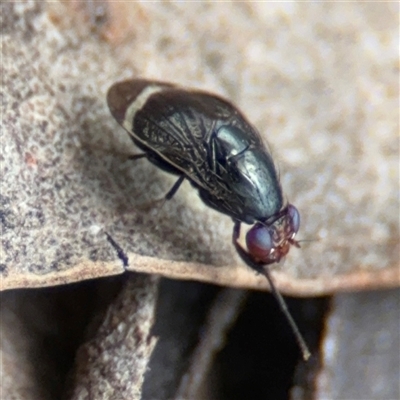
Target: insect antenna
[(308, 240), (283, 306)]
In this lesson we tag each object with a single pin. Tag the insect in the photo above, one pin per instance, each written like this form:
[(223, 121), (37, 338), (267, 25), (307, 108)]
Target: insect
[(206, 140)]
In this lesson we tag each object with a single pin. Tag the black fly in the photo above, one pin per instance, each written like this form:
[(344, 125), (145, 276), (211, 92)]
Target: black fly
[(205, 139)]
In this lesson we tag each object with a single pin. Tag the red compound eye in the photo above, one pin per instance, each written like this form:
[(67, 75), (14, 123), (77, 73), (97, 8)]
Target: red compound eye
[(259, 242)]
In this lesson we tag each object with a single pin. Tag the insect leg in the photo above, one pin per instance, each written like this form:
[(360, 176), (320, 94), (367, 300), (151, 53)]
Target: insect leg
[(244, 255), (176, 185), (137, 156), (174, 188), (172, 191), (263, 269)]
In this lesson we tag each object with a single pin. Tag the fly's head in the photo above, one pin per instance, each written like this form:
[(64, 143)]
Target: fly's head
[(268, 242)]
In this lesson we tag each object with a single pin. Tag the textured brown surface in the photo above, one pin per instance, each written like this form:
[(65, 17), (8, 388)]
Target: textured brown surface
[(363, 366), (323, 92), (77, 341), (112, 364), (319, 80)]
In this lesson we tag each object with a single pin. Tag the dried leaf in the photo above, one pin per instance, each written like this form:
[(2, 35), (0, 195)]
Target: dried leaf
[(325, 101)]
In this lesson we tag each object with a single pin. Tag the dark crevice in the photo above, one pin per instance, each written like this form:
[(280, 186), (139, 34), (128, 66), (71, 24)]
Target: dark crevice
[(261, 359), (120, 252)]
